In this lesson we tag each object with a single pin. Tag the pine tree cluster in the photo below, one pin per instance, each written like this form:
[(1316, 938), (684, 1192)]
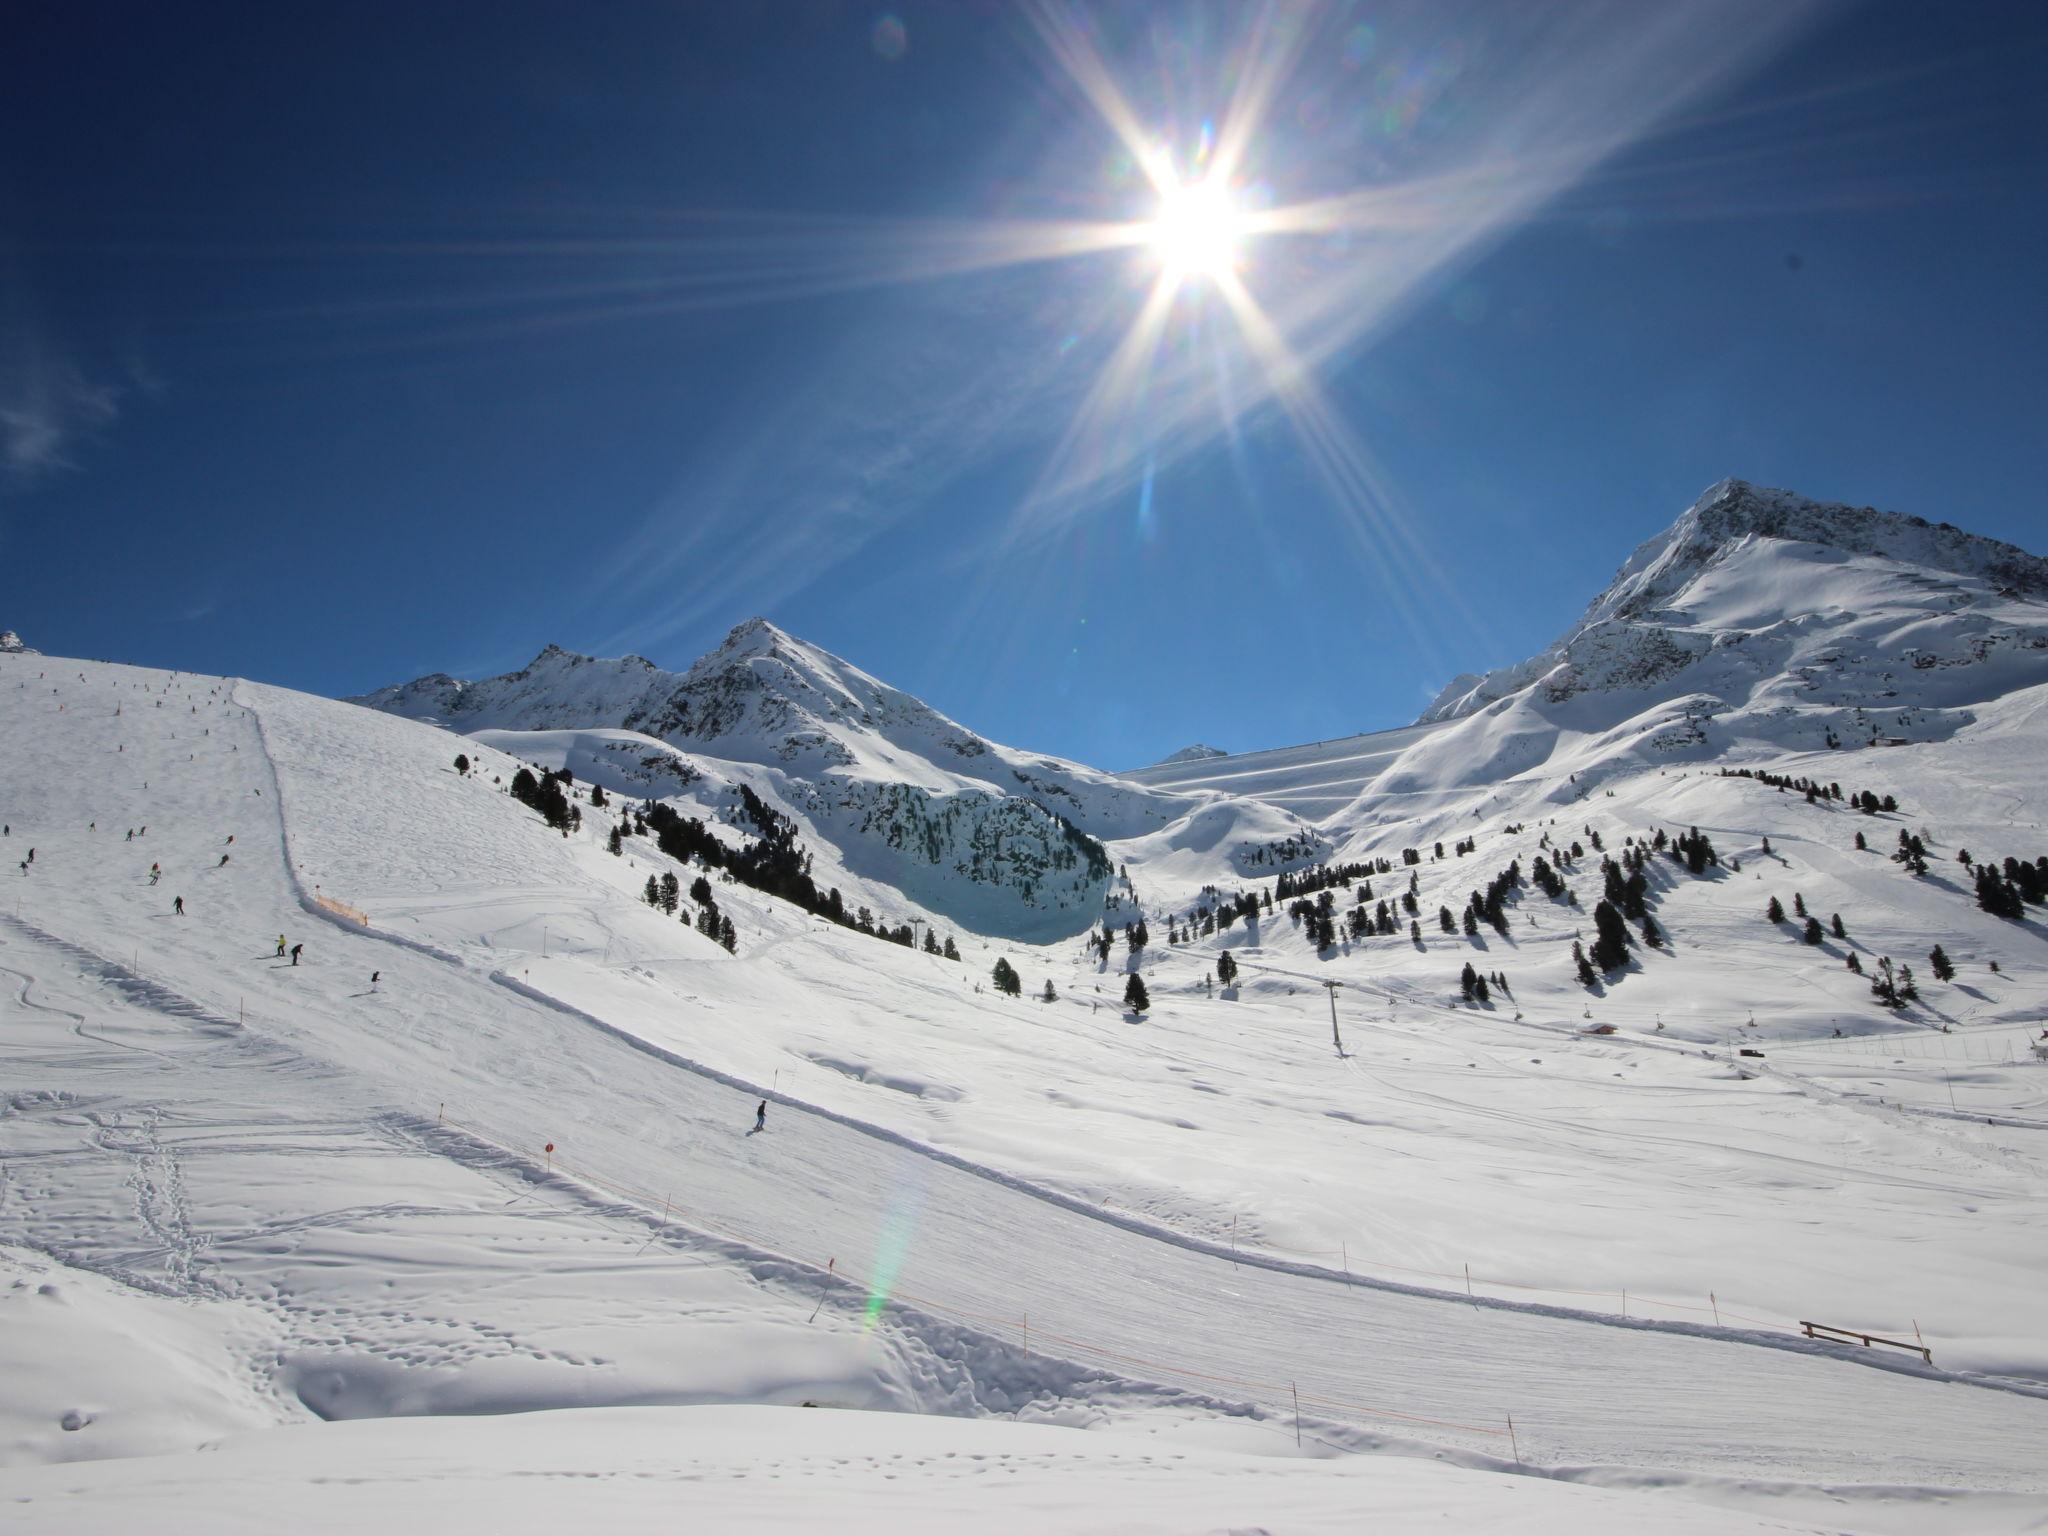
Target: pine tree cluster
[(2006, 890), (1320, 877), (1863, 800), (775, 863), (545, 795)]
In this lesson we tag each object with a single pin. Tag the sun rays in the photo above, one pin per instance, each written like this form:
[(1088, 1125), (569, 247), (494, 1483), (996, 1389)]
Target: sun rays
[(1207, 215)]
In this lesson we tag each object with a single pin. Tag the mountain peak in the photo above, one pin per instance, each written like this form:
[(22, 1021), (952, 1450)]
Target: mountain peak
[(11, 643), (754, 637), (1732, 510)]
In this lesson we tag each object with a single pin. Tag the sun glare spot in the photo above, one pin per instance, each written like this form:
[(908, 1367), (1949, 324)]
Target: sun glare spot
[(1198, 231)]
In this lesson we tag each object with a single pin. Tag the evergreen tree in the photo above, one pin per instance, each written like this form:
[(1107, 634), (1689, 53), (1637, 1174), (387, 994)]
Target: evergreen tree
[(1479, 987), (1468, 981), (1610, 946), (1226, 968), (1048, 995), (727, 935), (652, 895), (1853, 963), (1444, 920), (1582, 964), (462, 763), (615, 844), (1774, 911), (949, 951), (1652, 934), (1799, 904), (1835, 923), (1135, 996), (1938, 962), (1006, 979), (670, 893), (1813, 934), (1998, 896)]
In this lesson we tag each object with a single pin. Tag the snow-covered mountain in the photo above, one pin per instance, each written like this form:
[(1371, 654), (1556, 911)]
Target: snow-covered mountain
[(1004, 842), (1758, 623), (11, 645), (1775, 583)]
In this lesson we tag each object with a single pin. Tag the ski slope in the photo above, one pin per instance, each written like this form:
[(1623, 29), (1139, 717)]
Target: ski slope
[(349, 1184), (1314, 781)]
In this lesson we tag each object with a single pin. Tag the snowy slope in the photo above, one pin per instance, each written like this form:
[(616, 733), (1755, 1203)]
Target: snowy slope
[(238, 1195), (782, 1469), (933, 1146)]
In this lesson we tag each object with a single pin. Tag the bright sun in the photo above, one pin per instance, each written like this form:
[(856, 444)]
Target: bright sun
[(1198, 230)]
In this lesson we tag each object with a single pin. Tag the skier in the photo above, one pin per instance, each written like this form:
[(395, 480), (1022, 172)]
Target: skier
[(178, 905), (760, 1118), (223, 864), (155, 874), (374, 975), (131, 834), (295, 953), (31, 856), (280, 948)]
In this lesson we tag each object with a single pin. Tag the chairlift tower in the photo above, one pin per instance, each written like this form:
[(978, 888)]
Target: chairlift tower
[(1336, 1039)]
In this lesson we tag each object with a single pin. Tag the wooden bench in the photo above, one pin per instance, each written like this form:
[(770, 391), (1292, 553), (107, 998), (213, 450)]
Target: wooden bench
[(1830, 1335)]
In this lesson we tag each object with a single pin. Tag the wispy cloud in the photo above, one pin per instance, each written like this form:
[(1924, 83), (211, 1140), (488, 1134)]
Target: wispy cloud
[(48, 404), (935, 385)]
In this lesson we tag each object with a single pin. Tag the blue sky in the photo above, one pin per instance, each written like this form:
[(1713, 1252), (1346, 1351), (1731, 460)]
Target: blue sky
[(339, 345)]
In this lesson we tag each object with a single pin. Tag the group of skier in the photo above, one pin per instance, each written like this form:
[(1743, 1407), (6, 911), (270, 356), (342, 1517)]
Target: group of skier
[(156, 874)]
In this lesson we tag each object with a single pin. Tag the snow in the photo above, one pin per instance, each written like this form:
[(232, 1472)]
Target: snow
[(514, 1178), (792, 1469)]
